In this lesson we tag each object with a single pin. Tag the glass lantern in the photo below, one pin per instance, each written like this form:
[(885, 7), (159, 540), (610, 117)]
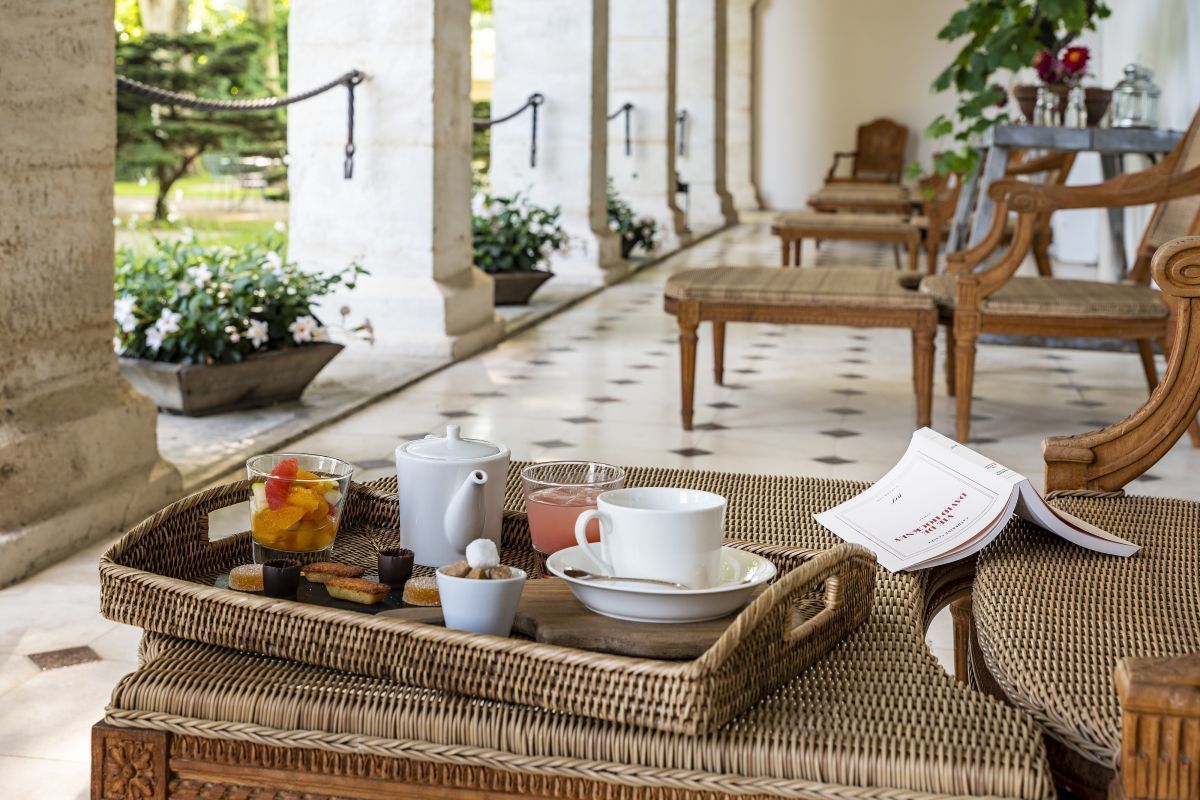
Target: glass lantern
[(1135, 99)]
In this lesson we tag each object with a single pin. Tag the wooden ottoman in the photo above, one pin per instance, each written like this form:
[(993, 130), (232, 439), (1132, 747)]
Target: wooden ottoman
[(850, 296), (876, 718), (793, 229)]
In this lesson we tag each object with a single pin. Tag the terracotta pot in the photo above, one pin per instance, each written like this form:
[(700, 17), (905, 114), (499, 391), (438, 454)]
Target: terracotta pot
[(1095, 98), (515, 288), (194, 390)]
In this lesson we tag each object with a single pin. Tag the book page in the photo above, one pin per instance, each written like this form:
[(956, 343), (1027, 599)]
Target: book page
[(1070, 527), (929, 504)]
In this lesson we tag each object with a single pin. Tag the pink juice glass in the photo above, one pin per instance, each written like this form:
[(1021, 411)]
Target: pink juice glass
[(557, 492)]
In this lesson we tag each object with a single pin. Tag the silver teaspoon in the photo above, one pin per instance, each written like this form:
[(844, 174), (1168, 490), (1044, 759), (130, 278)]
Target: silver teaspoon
[(584, 575)]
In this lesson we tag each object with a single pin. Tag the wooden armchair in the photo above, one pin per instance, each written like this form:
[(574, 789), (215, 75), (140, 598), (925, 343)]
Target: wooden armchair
[(992, 300), (878, 155), (1055, 626)]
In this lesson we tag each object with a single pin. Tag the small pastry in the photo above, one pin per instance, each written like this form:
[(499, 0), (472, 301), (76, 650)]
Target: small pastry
[(323, 571), (395, 566), (246, 578), (422, 592), (357, 590)]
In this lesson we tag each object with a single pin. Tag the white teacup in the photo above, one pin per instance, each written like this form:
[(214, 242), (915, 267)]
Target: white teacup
[(666, 534)]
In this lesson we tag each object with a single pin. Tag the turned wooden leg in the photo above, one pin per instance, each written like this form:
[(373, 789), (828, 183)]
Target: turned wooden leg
[(950, 356), (718, 329), (932, 240), (127, 762), (785, 248), (914, 248), (964, 384), (1041, 255), (960, 612), (796, 252), (1146, 351), (896, 255), (689, 319), (922, 356)]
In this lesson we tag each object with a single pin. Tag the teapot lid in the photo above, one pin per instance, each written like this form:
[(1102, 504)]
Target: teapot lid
[(451, 448)]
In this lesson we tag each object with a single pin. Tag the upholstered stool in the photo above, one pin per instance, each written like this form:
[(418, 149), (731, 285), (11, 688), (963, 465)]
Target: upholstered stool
[(888, 198), (852, 296), (793, 229)]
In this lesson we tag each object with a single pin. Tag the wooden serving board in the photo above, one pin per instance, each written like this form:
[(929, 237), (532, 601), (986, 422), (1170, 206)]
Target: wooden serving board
[(549, 613)]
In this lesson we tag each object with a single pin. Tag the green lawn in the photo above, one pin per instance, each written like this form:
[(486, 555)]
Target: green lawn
[(195, 186), (208, 231)]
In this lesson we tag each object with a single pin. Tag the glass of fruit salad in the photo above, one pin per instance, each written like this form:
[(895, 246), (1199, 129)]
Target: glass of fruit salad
[(296, 504)]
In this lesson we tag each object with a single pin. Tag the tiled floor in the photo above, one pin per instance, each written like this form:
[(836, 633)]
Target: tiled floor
[(600, 381)]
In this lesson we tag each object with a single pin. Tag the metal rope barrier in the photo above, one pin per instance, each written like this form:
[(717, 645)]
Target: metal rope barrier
[(534, 100), (165, 97), (626, 110), (681, 119)]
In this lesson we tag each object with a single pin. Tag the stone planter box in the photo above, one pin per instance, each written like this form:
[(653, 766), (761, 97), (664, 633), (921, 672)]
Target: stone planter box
[(194, 390), (515, 288)]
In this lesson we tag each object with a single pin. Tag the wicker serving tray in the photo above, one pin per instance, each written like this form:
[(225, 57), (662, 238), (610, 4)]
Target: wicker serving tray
[(159, 577)]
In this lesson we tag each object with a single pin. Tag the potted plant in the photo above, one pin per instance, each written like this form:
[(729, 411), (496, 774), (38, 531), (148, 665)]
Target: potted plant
[(512, 239), (1060, 72), (634, 231), (203, 329), (1000, 34)]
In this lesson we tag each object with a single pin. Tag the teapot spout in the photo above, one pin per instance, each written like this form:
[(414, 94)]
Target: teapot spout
[(463, 522)]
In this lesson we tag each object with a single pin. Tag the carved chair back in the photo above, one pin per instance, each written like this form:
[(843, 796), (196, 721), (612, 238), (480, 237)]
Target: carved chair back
[(879, 150), (1177, 217)]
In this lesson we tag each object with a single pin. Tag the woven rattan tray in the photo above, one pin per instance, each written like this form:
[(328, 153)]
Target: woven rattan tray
[(159, 577)]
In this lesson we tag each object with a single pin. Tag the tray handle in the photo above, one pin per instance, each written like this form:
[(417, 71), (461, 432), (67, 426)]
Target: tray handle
[(847, 572)]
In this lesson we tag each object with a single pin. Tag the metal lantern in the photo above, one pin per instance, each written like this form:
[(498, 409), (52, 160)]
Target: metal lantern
[(1135, 99)]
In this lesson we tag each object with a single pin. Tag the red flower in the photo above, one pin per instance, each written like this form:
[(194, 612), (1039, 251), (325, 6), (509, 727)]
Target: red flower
[(1075, 60), (1047, 66)]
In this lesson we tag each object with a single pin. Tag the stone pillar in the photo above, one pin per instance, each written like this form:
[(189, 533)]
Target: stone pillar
[(739, 106), (406, 213), (641, 71), (700, 81), (78, 456), (558, 48)]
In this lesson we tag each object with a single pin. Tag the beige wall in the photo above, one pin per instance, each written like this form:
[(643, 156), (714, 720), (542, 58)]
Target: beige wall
[(825, 67)]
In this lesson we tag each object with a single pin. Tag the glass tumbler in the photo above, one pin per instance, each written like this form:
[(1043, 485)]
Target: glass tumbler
[(296, 505), (557, 492)]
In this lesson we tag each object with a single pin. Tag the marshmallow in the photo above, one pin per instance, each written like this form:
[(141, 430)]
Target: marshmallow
[(482, 554)]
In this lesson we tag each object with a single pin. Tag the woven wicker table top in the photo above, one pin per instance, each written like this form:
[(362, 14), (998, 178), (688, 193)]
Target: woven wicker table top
[(1054, 619), (877, 712)]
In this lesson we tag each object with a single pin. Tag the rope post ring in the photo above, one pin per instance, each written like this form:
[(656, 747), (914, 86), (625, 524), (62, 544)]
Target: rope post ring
[(627, 110)]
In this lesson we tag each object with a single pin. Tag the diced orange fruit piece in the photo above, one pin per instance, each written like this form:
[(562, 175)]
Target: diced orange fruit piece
[(320, 512), (303, 499), (268, 522), (305, 475)]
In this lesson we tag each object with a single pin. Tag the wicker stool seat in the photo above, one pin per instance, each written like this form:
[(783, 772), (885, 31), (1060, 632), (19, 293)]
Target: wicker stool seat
[(1038, 297), (1054, 619), (869, 197), (895, 229), (877, 717)]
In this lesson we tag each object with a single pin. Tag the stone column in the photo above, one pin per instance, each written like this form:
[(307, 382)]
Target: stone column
[(739, 106), (641, 71), (700, 81), (78, 456), (558, 48), (406, 213)]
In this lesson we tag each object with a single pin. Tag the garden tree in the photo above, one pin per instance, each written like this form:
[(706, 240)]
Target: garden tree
[(167, 139), (1000, 34), (262, 14), (163, 16)]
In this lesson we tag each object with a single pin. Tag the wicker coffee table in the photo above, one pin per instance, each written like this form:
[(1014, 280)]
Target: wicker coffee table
[(876, 718)]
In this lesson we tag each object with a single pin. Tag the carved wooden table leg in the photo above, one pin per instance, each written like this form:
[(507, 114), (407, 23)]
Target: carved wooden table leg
[(960, 612), (128, 764), (718, 330), (688, 315)]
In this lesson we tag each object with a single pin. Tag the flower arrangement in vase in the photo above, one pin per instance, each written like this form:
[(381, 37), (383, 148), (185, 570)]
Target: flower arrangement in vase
[(1060, 72)]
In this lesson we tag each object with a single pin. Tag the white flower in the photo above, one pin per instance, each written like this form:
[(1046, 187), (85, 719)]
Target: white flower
[(257, 333), (200, 274), (188, 233), (320, 335), (154, 339), (280, 226), (117, 345), (273, 261), (168, 322), (123, 313), (302, 329), (116, 222), (235, 337), (184, 288)]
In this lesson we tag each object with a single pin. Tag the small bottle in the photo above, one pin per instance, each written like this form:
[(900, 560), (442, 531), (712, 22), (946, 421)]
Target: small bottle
[(1053, 117), (1039, 108), (1076, 113)]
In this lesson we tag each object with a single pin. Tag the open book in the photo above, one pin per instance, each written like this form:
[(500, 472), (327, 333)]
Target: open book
[(943, 501)]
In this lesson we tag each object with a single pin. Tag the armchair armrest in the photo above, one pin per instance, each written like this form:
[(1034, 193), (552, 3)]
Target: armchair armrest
[(1153, 185), (1107, 459), (837, 157), (1033, 166), (1160, 710)]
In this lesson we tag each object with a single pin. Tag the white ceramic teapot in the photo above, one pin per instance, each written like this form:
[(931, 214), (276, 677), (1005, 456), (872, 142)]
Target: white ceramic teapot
[(451, 492)]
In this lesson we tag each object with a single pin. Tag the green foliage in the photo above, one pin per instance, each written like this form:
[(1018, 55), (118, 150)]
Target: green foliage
[(634, 231), (511, 234), (167, 140), (1000, 35), (481, 140), (189, 303)]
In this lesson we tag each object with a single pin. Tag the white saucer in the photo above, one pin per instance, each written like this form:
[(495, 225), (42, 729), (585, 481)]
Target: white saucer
[(742, 574)]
